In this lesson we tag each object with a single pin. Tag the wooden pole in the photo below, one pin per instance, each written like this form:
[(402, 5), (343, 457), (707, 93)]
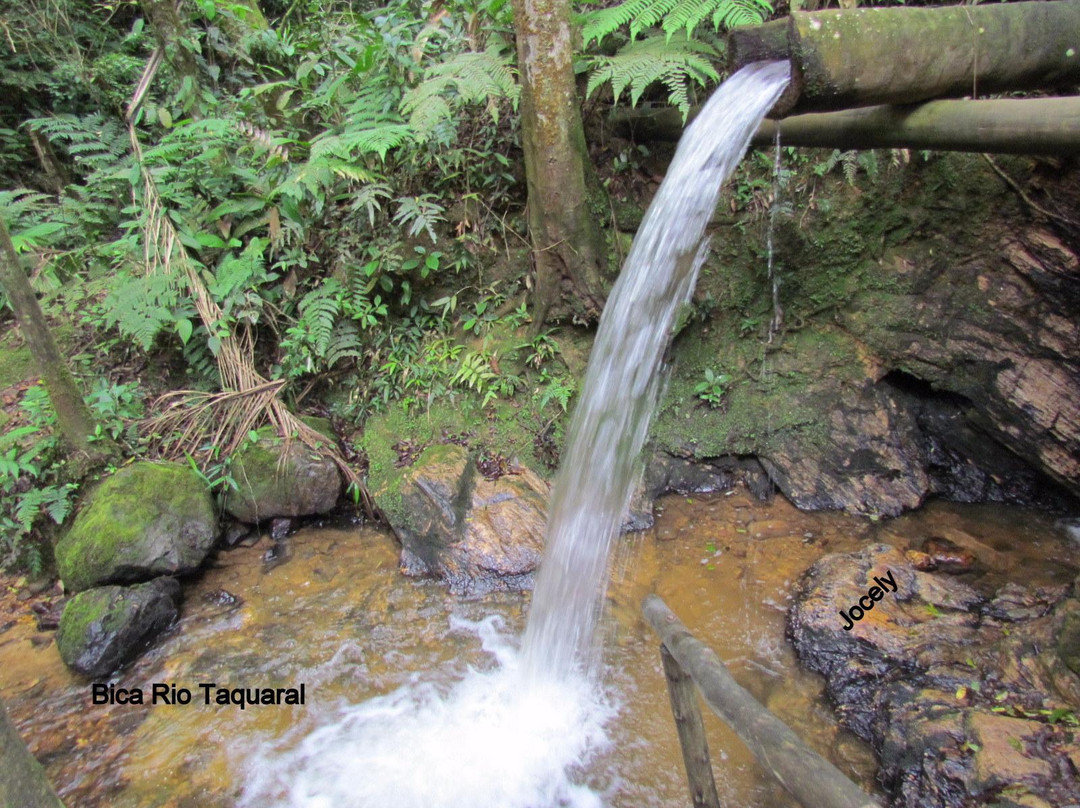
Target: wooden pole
[(807, 776), (22, 780), (1049, 126), (691, 728), (868, 56)]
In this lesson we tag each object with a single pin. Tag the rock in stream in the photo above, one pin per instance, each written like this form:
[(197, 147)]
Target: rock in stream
[(968, 700)]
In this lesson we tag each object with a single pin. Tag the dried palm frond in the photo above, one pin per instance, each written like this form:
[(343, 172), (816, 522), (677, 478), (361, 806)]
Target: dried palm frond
[(247, 400)]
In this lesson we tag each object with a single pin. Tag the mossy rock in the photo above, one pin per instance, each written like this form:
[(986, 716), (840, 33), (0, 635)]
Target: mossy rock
[(278, 478), (1068, 639), (476, 534), (104, 627), (148, 519)]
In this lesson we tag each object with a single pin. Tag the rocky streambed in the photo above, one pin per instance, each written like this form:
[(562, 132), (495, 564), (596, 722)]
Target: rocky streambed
[(334, 613)]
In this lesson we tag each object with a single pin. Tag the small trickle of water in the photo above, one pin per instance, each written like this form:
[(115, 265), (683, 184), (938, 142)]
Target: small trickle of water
[(592, 492), (777, 321)]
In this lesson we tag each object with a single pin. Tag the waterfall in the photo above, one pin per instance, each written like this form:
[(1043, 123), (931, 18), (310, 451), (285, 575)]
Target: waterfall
[(521, 734), (593, 488)]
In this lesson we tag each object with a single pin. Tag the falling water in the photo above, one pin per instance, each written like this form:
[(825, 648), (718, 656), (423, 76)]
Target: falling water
[(593, 489), (519, 733)]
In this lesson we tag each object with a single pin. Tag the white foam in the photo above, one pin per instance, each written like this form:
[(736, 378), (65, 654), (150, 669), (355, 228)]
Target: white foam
[(478, 741)]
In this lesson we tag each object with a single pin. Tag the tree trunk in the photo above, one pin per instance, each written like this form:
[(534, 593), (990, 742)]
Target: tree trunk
[(862, 57), (568, 245), (246, 17), (56, 176), (169, 30), (72, 415), (1049, 126), (23, 782)]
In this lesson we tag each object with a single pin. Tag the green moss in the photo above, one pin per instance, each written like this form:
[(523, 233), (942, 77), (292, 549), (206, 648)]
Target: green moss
[(112, 527), (87, 612)]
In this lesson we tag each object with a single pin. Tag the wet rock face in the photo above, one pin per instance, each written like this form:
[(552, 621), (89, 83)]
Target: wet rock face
[(667, 474), (278, 478), (478, 535), (146, 520), (931, 343), (967, 700), (104, 627)]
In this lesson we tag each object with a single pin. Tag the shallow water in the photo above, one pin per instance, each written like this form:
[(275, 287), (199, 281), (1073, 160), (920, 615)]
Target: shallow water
[(339, 617)]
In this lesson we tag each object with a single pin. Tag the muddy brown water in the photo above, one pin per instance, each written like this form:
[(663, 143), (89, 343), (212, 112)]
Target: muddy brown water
[(339, 617)]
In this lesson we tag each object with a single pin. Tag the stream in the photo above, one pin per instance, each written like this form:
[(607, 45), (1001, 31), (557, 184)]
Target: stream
[(340, 618)]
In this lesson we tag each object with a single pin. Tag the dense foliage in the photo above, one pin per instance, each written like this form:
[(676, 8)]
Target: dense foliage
[(343, 177)]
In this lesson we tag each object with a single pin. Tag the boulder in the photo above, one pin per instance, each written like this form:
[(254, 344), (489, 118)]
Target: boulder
[(959, 695), (478, 535), (104, 627), (146, 520), (279, 478)]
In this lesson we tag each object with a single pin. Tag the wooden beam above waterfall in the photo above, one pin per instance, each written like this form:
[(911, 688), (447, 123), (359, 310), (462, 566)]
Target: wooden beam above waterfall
[(1047, 126), (862, 57)]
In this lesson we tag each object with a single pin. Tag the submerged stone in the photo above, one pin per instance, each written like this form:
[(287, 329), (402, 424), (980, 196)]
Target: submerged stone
[(278, 478), (104, 627), (478, 535), (146, 520)]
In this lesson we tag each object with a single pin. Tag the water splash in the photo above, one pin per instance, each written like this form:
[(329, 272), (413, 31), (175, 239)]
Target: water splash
[(593, 489), (481, 742)]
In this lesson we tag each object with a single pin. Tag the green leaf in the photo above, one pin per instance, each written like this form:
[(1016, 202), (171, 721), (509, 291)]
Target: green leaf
[(165, 117), (184, 329)]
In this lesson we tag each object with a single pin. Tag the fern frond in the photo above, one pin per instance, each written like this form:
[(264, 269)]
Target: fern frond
[(377, 139), (674, 62), (93, 141), (344, 343), (603, 21), (673, 16), (319, 310), (472, 77), (141, 306)]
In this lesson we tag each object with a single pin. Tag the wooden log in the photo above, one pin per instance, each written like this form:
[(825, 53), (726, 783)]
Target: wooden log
[(22, 782), (862, 57), (691, 728), (807, 776), (1047, 126)]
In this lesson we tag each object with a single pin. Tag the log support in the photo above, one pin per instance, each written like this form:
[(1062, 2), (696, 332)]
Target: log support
[(807, 776), (868, 56), (1046, 126)]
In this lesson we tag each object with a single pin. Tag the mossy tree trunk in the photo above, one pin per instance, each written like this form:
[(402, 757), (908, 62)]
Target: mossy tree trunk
[(169, 30), (568, 245), (23, 781), (72, 415), (247, 17)]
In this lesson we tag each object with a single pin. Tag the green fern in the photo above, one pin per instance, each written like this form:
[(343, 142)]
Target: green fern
[(473, 77), (319, 310), (94, 142), (141, 306), (676, 63), (673, 16), (55, 500), (420, 213), (373, 128), (344, 343)]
